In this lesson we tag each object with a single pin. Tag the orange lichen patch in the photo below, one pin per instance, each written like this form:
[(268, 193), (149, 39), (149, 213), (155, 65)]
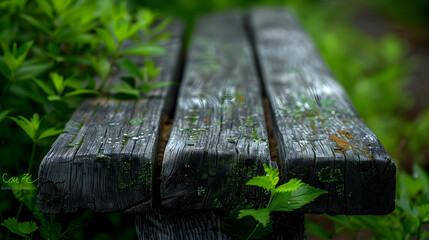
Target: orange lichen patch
[(314, 132), (349, 135), (369, 155), (337, 151), (346, 145), (206, 120), (240, 99), (322, 120), (342, 143), (328, 130)]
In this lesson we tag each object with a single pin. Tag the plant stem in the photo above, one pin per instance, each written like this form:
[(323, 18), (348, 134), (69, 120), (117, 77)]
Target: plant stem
[(19, 209), (419, 230), (33, 152), (271, 199), (254, 230)]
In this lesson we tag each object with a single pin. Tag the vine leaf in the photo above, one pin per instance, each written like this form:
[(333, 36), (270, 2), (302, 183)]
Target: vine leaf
[(21, 229), (269, 181), (261, 215), (290, 186), (289, 201), (241, 228)]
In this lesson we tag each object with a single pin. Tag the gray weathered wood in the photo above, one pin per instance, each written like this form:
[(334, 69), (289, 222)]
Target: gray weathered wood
[(219, 139), (103, 162), (189, 225), (321, 139)]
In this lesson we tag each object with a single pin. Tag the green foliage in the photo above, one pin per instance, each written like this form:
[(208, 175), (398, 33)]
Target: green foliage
[(243, 228), (285, 198), (31, 127), (411, 212), (23, 229), (52, 54)]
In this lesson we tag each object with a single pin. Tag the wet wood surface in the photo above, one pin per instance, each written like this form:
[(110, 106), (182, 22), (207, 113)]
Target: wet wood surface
[(321, 138), (107, 159), (219, 138), (104, 160), (207, 225)]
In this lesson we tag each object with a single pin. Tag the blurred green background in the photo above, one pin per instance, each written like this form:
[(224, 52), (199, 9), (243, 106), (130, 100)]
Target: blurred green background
[(377, 49)]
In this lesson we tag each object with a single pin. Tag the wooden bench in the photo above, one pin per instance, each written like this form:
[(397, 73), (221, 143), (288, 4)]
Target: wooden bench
[(253, 91)]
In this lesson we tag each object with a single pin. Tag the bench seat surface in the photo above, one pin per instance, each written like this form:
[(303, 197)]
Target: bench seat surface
[(220, 136)]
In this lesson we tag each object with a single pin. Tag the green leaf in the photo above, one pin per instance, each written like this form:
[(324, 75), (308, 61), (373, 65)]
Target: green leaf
[(32, 68), (125, 89), (61, 5), (54, 98), (317, 230), (46, 7), (4, 113), (273, 174), (23, 50), (50, 132), (290, 186), (58, 82), (27, 227), (261, 181), (423, 212), (145, 88), (80, 92), (26, 126), (21, 229), (161, 26), (131, 81), (107, 39), (130, 67), (103, 67), (143, 49), (423, 176), (149, 70), (242, 228), (36, 23), (261, 215), (46, 88), (289, 201), (161, 37), (25, 191), (269, 181)]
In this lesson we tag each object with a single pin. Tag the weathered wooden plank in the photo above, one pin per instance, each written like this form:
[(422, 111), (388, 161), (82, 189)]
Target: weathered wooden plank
[(218, 139), (321, 138), (207, 225), (104, 161), (184, 225)]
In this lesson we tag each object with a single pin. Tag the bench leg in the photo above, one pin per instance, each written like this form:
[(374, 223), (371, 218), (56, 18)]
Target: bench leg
[(290, 226), (206, 225)]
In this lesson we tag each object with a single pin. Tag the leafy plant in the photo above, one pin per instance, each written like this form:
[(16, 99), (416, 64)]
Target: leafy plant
[(52, 54), (410, 214), (57, 93), (23, 229), (144, 74), (285, 198), (31, 127)]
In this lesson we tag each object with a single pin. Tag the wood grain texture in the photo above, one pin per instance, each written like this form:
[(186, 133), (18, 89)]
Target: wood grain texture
[(188, 225), (219, 139), (104, 161), (321, 138)]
